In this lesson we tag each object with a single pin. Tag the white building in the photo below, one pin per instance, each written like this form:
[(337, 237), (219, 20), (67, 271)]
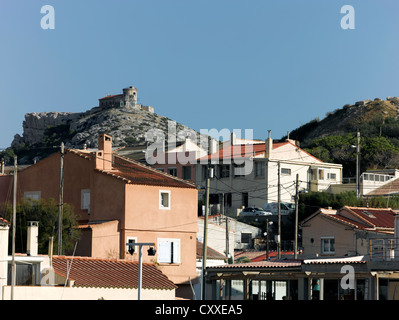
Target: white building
[(247, 174)]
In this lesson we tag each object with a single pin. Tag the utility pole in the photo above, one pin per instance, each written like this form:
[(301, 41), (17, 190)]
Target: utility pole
[(296, 216), (14, 221), (358, 165), (209, 175), (279, 213), (227, 227), (61, 200)]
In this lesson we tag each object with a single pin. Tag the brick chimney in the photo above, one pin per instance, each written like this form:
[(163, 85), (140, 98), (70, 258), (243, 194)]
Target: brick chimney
[(268, 146), (32, 239), (103, 160)]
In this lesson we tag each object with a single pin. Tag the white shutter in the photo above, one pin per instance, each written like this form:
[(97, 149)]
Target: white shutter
[(176, 251), (167, 248), (164, 251)]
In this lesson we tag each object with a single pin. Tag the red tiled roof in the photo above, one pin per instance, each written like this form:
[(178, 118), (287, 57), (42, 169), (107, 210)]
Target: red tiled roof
[(4, 222), (109, 273), (247, 150), (256, 256), (210, 253), (261, 264), (134, 172), (111, 96), (238, 151), (138, 173), (376, 217)]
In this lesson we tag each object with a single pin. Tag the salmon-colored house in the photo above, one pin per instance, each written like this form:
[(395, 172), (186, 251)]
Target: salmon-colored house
[(119, 201)]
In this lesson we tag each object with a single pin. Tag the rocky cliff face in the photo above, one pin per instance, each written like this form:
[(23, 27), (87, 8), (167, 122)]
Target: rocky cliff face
[(127, 127)]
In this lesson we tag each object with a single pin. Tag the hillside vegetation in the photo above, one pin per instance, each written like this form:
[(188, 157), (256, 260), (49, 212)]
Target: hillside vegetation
[(333, 139)]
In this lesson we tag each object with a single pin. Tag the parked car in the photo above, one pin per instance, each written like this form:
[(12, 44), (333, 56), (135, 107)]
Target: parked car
[(285, 208), (252, 211)]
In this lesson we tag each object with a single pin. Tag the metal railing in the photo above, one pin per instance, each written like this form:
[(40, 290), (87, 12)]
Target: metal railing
[(382, 249)]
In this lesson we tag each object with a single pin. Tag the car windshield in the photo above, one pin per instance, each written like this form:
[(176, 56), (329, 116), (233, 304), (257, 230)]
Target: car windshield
[(258, 209)]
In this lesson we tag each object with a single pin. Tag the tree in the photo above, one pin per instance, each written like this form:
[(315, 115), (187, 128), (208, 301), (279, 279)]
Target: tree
[(46, 213)]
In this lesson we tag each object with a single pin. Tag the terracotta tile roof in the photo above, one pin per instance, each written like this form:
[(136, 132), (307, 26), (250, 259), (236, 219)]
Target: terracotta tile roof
[(376, 217), (389, 188), (138, 173), (110, 273), (210, 253), (256, 256), (248, 150), (334, 261), (111, 96), (4, 222), (369, 219), (261, 264), (134, 172), (238, 151)]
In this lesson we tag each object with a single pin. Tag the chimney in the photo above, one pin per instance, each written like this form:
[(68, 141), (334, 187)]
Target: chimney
[(32, 241), (4, 226), (103, 160), (268, 146), (233, 139), (213, 146)]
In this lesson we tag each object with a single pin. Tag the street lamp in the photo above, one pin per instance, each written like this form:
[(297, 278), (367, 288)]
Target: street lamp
[(151, 252)]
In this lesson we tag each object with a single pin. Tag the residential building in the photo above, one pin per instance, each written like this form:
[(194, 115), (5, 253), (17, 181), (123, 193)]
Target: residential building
[(119, 200), (312, 279), (213, 258), (371, 183), (48, 277), (349, 231), (180, 160), (218, 237), (248, 174)]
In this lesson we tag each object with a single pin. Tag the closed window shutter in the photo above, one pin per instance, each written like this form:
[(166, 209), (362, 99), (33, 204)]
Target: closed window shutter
[(164, 252)]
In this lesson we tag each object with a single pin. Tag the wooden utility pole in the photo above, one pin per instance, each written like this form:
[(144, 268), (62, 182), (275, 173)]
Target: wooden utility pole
[(279, 213), (208, 178), (296, 216), (14, 221), (61, 200), (358, 165)]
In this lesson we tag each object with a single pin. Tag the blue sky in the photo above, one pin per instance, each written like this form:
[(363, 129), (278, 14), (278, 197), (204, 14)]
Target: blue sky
[(207, 64)]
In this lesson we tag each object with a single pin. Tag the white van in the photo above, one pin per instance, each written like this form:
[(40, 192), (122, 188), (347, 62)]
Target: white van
[(285, 207)]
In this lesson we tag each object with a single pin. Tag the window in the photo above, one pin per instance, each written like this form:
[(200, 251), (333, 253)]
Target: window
[(321, 174), (239, 170), (225, 171), (259, 169), (32, 195), (187, 172), (160, 169), (246, 237), (331, 176), (85, 200), (168, 251), (172, 171), (164, 199), (286, 171), (327, 245)]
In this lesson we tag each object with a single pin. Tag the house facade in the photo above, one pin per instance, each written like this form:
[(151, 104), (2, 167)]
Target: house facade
[(119, 201), (248, 174), (349, 231)]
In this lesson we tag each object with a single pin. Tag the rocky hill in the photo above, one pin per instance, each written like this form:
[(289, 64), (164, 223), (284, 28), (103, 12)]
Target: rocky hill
[(333, 138), (347, 119), (128, 123)]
